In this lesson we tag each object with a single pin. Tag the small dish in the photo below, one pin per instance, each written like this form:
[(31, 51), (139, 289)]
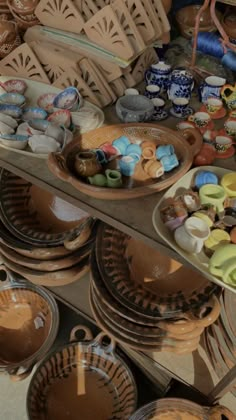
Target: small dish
[(45, 102), (69, 98), (6, 129), (6, 119), (159, 116), (12, 98), (14, 85), (34, 113), (39, 143), (16, 141), (61, 117), (11, 110), (217, 115)]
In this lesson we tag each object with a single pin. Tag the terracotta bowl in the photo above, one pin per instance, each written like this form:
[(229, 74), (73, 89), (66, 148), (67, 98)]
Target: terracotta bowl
[(140, 184), (87, 378), (38, 217), (186, 20), (29, 321)]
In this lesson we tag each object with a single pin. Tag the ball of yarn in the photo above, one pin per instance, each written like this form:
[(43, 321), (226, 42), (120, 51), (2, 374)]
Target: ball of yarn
[(209, 43), (229, 60)]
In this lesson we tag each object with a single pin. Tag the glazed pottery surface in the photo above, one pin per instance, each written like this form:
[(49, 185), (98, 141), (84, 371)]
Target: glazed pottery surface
[(134, 108), (29, 324), (87, 164), (62, 165), (35, 215), (228, 181), (14, 85), (228, 93), (78, 368), (12, 99), (69, 98), (158, 74), (211, 87), (181, 84), (186, 18), (136, 276)]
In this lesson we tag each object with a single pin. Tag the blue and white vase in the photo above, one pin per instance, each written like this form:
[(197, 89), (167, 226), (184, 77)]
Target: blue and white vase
[(211, 87), (181, 84), (158, 74)]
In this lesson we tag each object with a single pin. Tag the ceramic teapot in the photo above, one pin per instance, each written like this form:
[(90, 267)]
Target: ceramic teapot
[(228, 93), (180, 85)]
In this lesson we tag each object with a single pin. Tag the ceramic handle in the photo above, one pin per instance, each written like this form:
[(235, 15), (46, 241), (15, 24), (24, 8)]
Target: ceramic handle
[(17, 377), (81, 235), (210, 318), (57, 165), (215, 271), (98, 341), (10, 278), (88, 336), (194, 139), (216, 413)]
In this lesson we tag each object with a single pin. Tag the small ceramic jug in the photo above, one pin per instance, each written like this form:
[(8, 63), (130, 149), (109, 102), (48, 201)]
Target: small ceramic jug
[(86, 164), (228, 93), (192, 235), (99, 180), (158, 74), (181, 84), (212, 86), (114, 179)]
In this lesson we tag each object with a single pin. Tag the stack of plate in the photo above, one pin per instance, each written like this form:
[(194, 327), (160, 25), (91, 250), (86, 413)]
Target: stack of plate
[(220, 337), (146, 299), (42, 237)]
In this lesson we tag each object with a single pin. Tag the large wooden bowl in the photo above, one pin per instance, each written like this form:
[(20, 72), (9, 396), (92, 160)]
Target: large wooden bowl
[(186, 144)]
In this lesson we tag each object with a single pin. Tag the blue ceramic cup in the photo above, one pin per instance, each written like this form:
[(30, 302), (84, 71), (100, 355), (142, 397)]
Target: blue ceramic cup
[(169, 162), (152, 91), (101, 156), (180, 105), (134, 150), (127, 165), (165, 150), (205, 177), (121, 144)]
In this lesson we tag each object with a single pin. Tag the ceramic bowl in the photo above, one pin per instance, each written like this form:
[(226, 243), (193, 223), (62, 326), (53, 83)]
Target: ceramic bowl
[(61, 117), (134, 108), (15, 141), (12, 98), (33, 113), (78, 369), (229, 25), (29, 325), (14, 85), (40, 143), (13, 111), (45, 102), (37, 126), (6, 129), (44, 219), (9, 121), (69, 98), (186, 18)]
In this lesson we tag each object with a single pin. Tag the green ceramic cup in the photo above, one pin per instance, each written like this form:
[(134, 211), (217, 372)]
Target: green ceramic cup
[(213, 194), (99, 180), (114, 179), (223, 263)]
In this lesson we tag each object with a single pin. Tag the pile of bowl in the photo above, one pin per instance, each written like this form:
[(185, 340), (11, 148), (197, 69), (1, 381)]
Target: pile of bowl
[(148, 300), (43, 238), (9, 37), (220, 338), (23, 12), (22, 126)]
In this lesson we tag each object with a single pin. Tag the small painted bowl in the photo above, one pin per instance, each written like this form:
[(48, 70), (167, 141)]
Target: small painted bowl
[(37, 126), (11, 110), (12, 98), (34, 113), (16, 141), (61, 117), (69, 98), (6, 119), (45, 102), (14, 85)]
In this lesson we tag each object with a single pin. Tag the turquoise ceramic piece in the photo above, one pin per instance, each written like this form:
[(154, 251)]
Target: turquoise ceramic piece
[(121, 144), (169, 162), (165, 150), (205, 177)]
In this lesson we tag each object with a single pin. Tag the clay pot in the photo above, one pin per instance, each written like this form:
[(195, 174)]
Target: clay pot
[(29, 321), (86, 164), (186, 18)]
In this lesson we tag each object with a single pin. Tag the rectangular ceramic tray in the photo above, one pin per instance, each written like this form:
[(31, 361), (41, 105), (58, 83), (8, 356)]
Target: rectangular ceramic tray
[(200, 261), (34, 90)]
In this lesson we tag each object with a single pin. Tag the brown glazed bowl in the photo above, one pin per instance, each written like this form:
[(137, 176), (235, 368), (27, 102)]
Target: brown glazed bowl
[(40, 218), (29, 320), (186, 144), (83, 380), (186, 18)]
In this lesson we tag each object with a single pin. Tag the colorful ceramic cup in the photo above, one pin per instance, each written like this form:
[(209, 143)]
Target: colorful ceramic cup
[(230, 127), (134, 149), (121, 144), (114, 179), (203, 216), (182, 125), (192, 235), (213, 105), (223, 263), (200, 119), (223, 143), (127, 165), (148, 150), (165, 150), (86, 164), (109, 150), (211, 87), (214, 195), (131, 91), (101, 156), (205, 177), (228, 182), (169, 162), (99, 180), (217, 238), (154, 168), (152, 91), (180, 105)]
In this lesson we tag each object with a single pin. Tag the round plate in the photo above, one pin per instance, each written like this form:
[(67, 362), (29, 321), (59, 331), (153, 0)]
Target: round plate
[(217, 115), (145, 281), (227, 154)]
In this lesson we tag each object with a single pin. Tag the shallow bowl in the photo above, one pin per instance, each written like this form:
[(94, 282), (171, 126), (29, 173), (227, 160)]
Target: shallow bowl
[(12, 98), (134, 108), (11, 110), (61, 117), (16, 141), (14, 85), (34, 113), (45, 102), (69, 98)]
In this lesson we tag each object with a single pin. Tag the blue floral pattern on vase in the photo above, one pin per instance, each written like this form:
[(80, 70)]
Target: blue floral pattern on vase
[(180, 85)]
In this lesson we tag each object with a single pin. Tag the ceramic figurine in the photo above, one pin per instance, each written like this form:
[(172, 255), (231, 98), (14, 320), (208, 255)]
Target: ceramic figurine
[(114, 179), (121, 144), (181, 84), (174, 213), (164, 150), (180, 108), (228, 93), (192, 235), (211, 87), (86, 164), (99, 180), (158, 74)]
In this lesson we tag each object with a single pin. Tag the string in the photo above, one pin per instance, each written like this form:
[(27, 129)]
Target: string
[(210, 43), (229, 60)]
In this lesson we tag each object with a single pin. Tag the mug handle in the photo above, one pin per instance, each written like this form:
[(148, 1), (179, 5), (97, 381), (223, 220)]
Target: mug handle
[(81, 235), (57, 165), (216, 413), (215, 271), (88, 336), (146, 75), (194, 139), (211, 317), (98, 341)]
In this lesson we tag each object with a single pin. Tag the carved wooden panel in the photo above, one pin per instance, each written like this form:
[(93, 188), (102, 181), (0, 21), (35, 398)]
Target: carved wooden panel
[(144, 61)]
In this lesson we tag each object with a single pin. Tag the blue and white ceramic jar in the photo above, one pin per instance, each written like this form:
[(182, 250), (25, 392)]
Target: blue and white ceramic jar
[(211, 87), (158, 74), (181, 84)]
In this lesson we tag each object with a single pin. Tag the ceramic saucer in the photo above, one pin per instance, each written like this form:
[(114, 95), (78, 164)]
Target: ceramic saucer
[(217, 115), (227, 154), (188, 111), (159, 116)]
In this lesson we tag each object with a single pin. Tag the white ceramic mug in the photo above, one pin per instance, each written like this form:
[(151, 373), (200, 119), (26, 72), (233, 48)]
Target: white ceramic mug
[(191, 236)]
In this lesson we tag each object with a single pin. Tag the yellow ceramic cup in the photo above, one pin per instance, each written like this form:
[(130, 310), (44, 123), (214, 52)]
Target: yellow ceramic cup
[(214, 105), (216, 238), (213, 194), (204, 217), (223, 263), (228, 182)]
